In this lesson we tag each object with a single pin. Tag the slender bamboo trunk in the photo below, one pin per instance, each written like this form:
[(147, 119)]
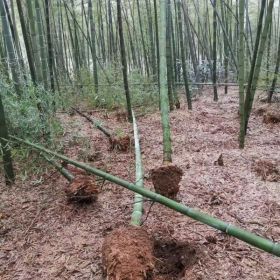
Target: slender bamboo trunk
[(164, 101), (183, 58), (215, 51), (250, 93), (124, 62), (241, 76), (93, 45), (6, 152), (49, 43), (139, 176), (13, 63), (276, 73)]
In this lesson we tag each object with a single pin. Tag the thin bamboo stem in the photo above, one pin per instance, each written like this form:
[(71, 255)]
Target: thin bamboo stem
[(138, 198)]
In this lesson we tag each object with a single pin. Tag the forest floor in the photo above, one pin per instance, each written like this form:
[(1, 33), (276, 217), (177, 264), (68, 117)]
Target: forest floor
[(44, 237)]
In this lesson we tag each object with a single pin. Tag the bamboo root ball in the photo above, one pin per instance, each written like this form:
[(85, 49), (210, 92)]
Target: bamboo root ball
[(127, 254), (166, 180)]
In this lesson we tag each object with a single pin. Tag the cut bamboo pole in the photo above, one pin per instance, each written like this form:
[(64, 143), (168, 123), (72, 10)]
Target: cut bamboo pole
[(138, 198), (241, 234)]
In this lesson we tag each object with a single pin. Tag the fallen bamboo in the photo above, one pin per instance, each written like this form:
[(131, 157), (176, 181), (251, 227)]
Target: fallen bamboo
[(95, 123), (246, 236), (63, 171)]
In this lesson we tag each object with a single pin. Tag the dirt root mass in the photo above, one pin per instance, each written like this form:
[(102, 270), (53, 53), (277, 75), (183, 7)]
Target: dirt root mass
[(121, 143), (127, 254), (82, 190), (166, 180)]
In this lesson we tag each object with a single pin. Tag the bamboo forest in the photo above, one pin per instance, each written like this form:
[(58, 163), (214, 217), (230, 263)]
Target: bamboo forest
[(140, 139)]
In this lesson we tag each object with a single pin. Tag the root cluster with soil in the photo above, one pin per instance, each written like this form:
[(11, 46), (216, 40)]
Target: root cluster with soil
[(166, 180), (127, 254), (82, 189)]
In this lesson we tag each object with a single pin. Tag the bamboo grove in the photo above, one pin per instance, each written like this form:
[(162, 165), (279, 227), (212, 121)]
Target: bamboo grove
[(55, 49)]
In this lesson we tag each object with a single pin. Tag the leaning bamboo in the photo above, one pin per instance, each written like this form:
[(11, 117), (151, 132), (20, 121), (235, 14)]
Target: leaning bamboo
[(138, 198), (246, 236)]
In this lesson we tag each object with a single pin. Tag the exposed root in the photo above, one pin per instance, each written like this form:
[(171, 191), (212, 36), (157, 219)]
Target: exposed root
[(219, 161), (268, 170), (121, 143), (271, 117), (166, 180), (127, 254), (82, 190)]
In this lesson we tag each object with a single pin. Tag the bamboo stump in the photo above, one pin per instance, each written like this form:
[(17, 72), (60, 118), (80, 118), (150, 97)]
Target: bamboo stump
[(127, 254)]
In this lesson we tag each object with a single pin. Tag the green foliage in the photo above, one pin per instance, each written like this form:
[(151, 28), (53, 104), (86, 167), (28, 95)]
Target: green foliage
[(23, 116), (143, 91)]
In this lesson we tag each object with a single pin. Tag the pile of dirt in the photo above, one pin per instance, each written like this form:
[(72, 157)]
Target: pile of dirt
[(173, 259), (269, 171), (121, 143), (82, 189), (166, 180), (127, 254)]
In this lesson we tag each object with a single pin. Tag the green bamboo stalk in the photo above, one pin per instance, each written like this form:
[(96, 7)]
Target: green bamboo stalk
[(241, 71), (63, 171), (138, 198), (41, 43), (214, 3), (10, 49), (93, 45), (241, 234), (276, 73), (164, 101), (124, 62), (27, 43), (183, 58), (49, 44), (5, 149), (250, 94), (169, 56)]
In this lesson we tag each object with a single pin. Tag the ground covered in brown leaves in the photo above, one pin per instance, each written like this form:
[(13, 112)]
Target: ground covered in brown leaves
[(44, 237)]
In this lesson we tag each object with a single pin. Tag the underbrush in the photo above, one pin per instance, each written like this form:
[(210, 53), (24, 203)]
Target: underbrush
[(32, 115)]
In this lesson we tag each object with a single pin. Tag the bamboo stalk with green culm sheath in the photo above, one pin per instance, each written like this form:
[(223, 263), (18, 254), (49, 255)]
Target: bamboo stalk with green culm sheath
[(241, 234)]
